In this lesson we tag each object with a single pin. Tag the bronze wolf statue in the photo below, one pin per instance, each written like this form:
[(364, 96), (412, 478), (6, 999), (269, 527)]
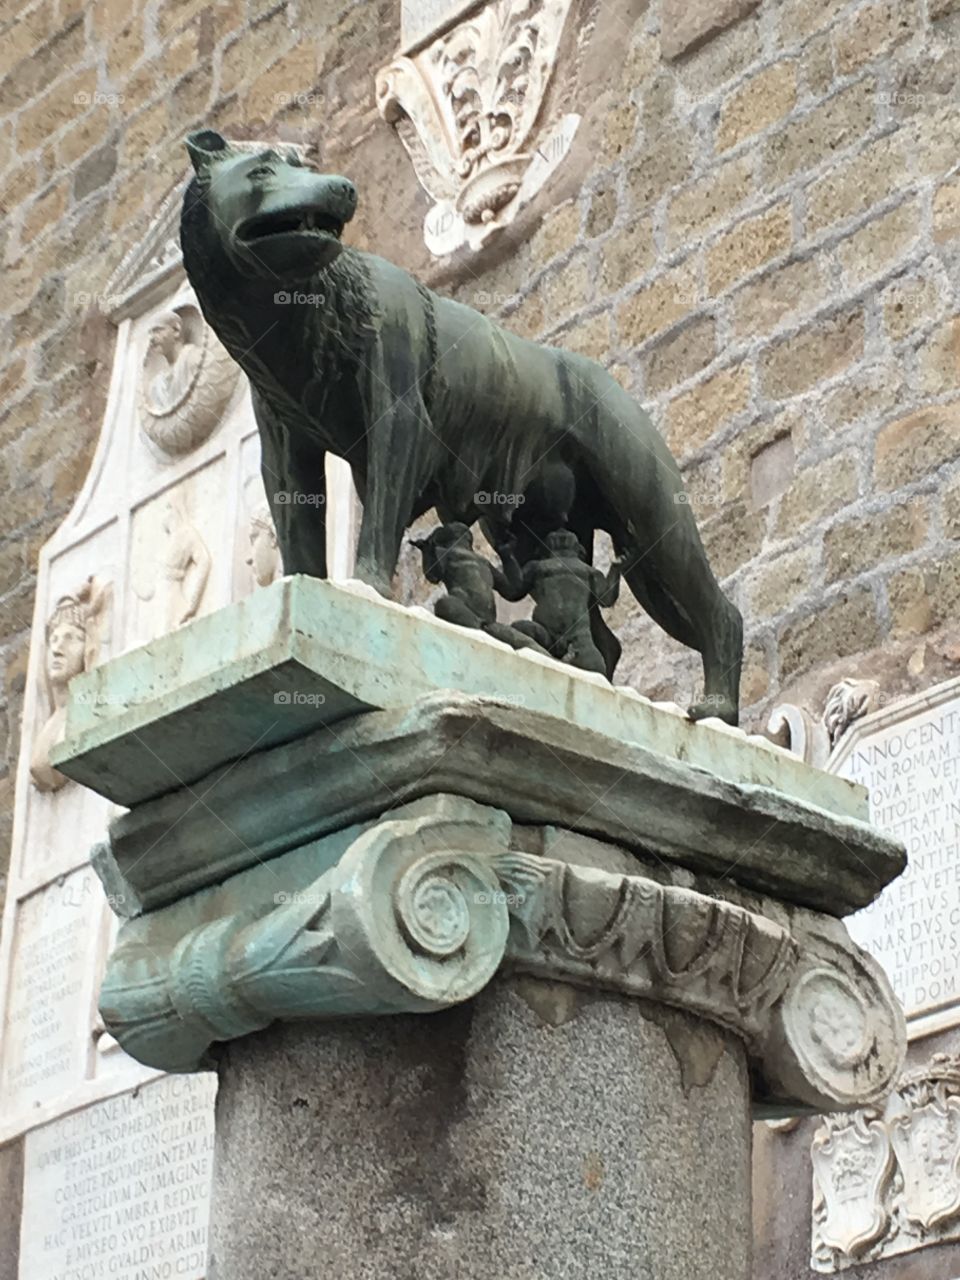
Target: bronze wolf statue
[(431, 404)]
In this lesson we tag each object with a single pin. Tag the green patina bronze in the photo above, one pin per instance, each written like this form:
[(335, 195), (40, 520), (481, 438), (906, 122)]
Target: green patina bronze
[(433, 406)]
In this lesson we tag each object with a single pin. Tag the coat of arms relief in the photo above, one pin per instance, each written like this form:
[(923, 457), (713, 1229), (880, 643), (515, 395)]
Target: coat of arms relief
[(887, 1181), (468, 99)]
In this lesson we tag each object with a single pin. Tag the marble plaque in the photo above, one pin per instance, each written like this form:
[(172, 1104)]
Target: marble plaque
[(420, 19), (121, 1189), (909, 759), (48, 1016)]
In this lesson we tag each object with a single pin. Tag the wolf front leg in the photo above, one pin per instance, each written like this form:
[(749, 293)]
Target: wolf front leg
[(401, 456), (293, 467)]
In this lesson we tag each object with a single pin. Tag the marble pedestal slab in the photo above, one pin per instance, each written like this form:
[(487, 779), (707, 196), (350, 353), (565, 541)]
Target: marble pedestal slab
[(534, 1133), (610, 903)]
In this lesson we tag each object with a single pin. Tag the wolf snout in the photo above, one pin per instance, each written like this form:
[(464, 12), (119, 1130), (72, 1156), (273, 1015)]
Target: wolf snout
[(341, 196)]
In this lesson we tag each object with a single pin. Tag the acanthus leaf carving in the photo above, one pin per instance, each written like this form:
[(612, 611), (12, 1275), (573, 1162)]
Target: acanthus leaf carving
[(813, 739), (468, 109)]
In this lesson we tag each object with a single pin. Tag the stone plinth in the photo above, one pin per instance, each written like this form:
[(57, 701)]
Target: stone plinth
[(532, 1133), (572, 936)]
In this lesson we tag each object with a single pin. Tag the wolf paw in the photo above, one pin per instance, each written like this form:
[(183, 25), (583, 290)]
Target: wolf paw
[(723, 708)]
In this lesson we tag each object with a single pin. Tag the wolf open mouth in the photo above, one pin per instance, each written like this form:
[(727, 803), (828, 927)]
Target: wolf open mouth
[(301, 221)]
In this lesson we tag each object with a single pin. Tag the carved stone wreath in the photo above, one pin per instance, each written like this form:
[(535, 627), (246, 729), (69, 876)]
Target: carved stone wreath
[(182, 421)]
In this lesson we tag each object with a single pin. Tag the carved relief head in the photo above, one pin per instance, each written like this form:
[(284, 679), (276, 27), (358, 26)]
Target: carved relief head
[(186, 380), (264, 558), (73, 635), (166, 335)]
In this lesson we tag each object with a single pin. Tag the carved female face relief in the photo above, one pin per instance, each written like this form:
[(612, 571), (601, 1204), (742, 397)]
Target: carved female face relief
[(66, 648), (72, 645)]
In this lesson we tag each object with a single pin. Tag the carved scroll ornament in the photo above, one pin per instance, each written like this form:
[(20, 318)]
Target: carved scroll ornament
[(430, 902)]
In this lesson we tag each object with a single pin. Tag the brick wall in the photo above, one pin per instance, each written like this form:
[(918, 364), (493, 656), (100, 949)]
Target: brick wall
[(757, 230), (765, 252)]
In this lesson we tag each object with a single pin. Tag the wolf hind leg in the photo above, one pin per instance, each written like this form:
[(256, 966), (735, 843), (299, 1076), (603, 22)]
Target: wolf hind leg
[(674, 583)]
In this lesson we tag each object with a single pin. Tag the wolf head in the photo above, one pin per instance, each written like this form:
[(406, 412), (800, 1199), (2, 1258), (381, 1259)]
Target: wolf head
[(273, 217)]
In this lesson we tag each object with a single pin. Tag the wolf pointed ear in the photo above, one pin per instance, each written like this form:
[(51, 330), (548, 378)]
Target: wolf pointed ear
[(206, 148)]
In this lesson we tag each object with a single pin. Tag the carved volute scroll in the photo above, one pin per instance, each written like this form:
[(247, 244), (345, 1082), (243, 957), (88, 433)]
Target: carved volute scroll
[(428, 903)]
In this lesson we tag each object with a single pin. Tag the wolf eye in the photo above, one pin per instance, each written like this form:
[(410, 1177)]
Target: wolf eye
[(261, 171)]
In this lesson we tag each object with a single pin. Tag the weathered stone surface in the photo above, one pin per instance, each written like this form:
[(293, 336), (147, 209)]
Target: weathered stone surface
[(815, 137), (782, 583), (689, 23), (802, 19), (733, 538), (939, 358), (874, 390), (870, 250), (858, 545), (557, 233), (11, 1204), (709, 200), (748, 245), (771, 470), (658, 305), (853, 186), (847, 625), (480, 1133), (872, 31), (908, 303), (913, 446), (680, 356), (946, 212), (760, 102), (627, 254), (694, 416), (822, 351), (452, 743), (925, 596), (781, 292), (817, 491)]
